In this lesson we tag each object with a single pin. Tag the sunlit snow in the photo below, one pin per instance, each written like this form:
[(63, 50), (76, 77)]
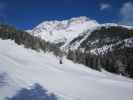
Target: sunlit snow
[(69, 81)]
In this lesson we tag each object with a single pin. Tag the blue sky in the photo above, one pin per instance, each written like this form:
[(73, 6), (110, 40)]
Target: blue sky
[(26, 14)]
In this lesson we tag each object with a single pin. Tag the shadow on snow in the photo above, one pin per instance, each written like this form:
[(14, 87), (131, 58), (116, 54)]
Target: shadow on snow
[(3, 79), (36, 92)]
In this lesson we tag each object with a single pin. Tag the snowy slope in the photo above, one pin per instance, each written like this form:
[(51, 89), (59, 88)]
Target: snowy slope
[(63, 31), (69, 81)]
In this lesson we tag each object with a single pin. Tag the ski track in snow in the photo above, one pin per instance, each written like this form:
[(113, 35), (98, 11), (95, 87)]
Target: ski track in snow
[(69, 81)]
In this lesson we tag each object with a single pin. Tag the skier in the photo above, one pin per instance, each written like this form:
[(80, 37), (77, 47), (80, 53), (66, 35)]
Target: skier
[(60, 61)]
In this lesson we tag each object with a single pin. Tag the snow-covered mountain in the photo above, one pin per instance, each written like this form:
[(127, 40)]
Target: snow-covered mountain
[(93, 44), (64, 31), (20, 68)]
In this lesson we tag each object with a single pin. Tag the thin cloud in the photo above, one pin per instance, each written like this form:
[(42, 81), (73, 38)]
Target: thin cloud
[(126, 14), (104, 6)]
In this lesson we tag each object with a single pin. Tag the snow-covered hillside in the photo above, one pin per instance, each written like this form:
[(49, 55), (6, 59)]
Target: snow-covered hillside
[(23, 67), (64, 31)]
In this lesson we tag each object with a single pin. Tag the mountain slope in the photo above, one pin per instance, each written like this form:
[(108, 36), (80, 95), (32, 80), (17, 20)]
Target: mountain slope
[(23, 67), (95, 45), (109, 47)]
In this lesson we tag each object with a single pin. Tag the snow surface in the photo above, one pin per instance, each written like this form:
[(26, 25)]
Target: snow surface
[(69, 81)]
